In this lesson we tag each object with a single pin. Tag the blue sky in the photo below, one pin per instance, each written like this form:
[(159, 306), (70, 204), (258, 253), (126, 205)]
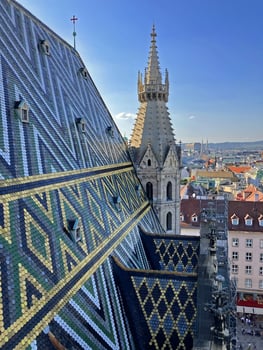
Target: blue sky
[(213, 50)]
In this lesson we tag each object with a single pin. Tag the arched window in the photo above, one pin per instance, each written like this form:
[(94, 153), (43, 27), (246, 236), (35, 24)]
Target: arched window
[(169, 191), (149, 163), (149, 190), (169, 221)]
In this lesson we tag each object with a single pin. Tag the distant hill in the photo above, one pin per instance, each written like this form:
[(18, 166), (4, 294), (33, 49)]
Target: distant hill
[(235, 146), (256, 145)]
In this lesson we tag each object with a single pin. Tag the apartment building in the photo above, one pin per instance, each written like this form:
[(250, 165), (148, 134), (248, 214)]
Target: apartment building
[(245, 248), (245, 244)]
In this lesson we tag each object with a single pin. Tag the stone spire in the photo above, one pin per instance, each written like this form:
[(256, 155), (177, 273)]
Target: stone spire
[(155, 155), (153, 125)]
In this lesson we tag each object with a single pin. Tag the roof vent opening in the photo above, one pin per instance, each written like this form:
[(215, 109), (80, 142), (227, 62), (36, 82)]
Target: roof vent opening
[(81, 123), (22, 110), (110, 131), (74, 230), (84, 72), (44, 47)]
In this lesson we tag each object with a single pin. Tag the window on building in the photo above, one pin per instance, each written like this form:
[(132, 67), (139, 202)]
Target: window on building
[(248, 256), (169, 191), (260, 284), (234, 255), (235, 242), (169, 221), (149, 162), (248, 269), (261, 257), (149, 191), (249, 243), (248, 220), (260, 220), (234, 220), (261, 270), (194, 218), (248, 283), (234, 268), (261, 243)]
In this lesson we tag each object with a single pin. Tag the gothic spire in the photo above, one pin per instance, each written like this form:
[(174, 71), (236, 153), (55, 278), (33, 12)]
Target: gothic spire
[(153, 124), (153, 74)]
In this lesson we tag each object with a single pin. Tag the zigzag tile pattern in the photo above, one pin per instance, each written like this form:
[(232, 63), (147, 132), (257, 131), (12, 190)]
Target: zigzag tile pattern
[(54, 171), (179, 254), (162, 307), (69, 205)]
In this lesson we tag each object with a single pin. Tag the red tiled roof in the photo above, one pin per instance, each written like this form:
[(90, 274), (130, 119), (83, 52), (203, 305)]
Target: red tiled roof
[(239, 169), (239, 208)]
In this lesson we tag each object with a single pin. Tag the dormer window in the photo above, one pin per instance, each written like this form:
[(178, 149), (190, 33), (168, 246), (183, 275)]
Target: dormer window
[(138, 190), (117, 203), (149, 162), (44, 46), (260, 220), (81, 124), (194, 218), (248, 220), (84, 72), (74, 230), (22, 110), (235, 220), (110, 131)]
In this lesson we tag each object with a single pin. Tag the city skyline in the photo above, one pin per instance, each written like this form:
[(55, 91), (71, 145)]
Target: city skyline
[(212, 50)]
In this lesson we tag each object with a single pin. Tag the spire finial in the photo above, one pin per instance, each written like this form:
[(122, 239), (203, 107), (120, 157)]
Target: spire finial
[(153, 33), (74, 19)]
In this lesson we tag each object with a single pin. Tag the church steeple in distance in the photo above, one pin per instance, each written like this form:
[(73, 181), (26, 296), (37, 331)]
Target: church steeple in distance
[(153, 149)]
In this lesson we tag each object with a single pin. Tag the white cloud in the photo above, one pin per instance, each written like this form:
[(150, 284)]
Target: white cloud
[(192, 116), (125, 116)]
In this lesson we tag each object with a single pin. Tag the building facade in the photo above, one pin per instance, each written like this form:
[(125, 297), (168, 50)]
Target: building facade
[(155, 154), (244, 232), (246, 254)]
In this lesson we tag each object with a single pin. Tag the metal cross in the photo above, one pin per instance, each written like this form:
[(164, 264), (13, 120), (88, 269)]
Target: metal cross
[(74, 19)]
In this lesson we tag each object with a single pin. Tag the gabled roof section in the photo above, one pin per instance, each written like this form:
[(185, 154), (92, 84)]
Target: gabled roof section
[(218, 174), (148, 156), (251, 194), (171, 158)]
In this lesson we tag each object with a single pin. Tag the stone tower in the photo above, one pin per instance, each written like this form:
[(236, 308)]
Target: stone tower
[(152, 146)]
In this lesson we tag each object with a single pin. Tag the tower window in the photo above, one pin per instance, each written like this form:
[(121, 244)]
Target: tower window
[(169, 221), (149, 162), (149, 190), (169, 190)]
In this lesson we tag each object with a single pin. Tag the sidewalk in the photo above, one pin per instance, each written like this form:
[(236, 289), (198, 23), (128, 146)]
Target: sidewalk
[(249, 335)]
